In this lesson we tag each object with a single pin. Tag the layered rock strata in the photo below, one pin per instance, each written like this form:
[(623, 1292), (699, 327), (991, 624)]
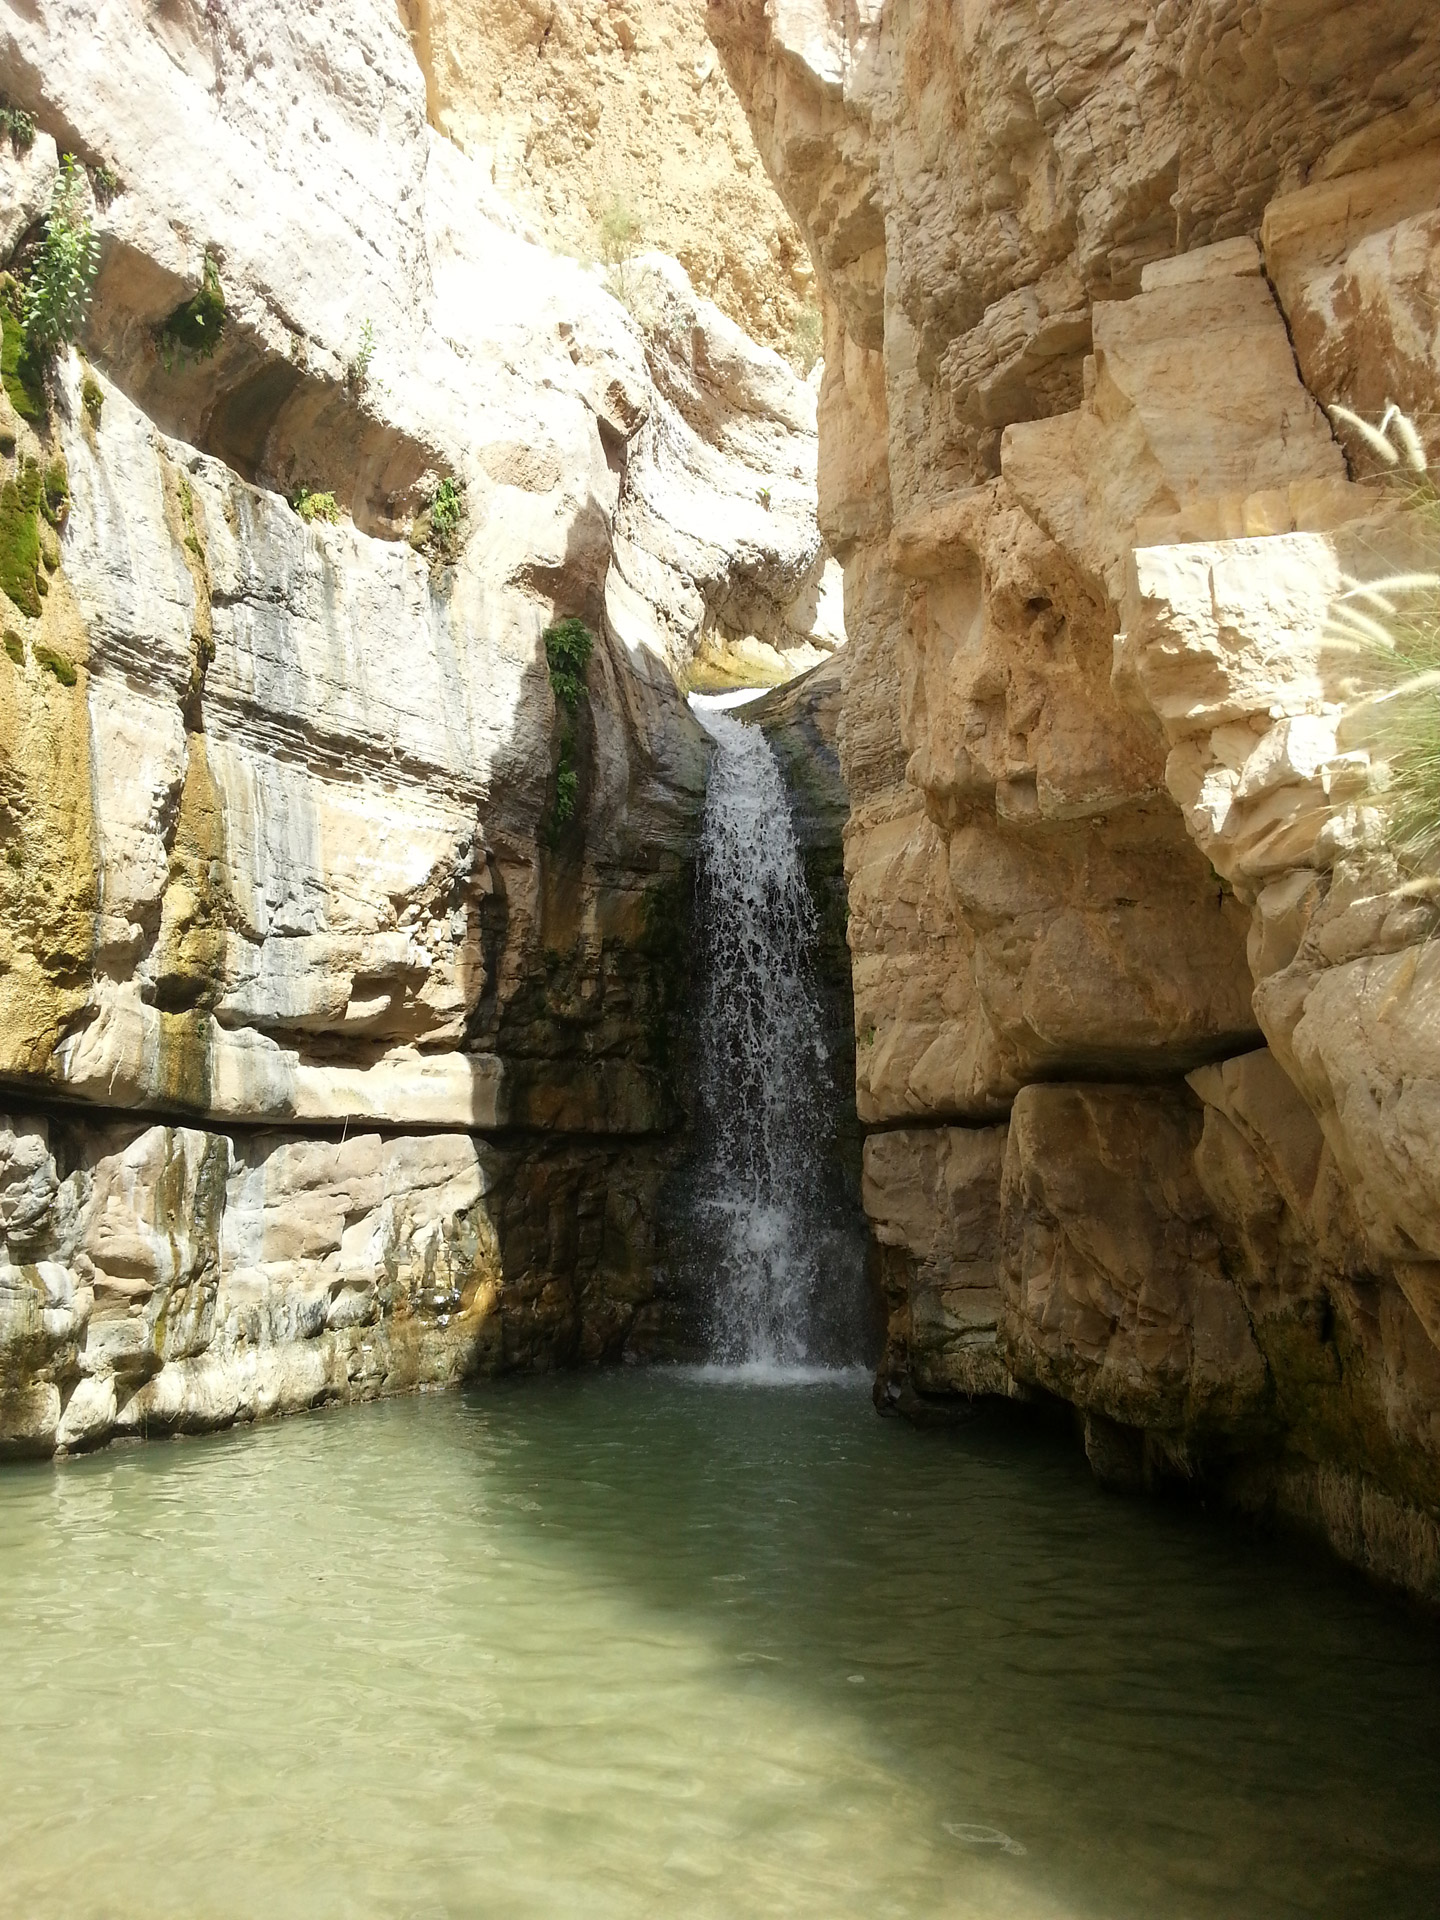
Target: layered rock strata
[(342, 961), (1119, 892)]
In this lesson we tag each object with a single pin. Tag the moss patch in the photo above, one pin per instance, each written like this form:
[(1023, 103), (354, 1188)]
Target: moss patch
[(53, 661), (55, 497), (20, 369), (92, 396), (20, 537), (15, 646)]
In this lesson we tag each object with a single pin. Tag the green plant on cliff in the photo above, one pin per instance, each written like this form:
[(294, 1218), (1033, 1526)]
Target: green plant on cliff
[(192, 331), (1387, 629), (61, 275), (315, 506), (620, 240), (17, 126), (568, 646)]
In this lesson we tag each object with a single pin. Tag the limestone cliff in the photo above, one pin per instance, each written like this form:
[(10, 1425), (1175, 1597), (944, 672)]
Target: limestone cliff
[(588, 112), (342, 941), (1139, 984)]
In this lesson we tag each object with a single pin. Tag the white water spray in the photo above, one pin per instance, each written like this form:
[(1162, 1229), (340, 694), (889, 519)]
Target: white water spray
[(759, 1206)]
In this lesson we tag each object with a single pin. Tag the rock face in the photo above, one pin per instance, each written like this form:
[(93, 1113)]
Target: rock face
[(1119, 891), (588, 109), (365, 952)]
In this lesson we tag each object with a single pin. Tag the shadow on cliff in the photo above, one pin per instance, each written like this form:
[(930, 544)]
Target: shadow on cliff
[(1146, 1710)]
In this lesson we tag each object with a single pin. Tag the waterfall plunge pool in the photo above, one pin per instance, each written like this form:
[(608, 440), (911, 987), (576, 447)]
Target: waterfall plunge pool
[(668, 1644)]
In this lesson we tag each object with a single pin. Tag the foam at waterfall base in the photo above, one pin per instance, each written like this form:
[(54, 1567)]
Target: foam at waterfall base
[(775, 1373)]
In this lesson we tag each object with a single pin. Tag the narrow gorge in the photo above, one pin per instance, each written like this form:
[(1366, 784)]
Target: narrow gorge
[(733, 701)]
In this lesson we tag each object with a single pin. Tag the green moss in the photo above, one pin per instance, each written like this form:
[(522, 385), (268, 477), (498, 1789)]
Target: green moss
[(20, 537), (92, 394), (53, 661), (195, 327), (55, 503), (15, 646), (21, 369)]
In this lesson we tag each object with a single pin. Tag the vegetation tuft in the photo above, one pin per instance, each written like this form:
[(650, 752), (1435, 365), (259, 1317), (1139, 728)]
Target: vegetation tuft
[(357, 373), (1388, 631), (315, 506), (17, 126), (193, 330), (568, 646), (92, 398), (55, 296)]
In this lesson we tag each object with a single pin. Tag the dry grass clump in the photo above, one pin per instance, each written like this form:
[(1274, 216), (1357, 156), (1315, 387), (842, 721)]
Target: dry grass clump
[(1388, 628)]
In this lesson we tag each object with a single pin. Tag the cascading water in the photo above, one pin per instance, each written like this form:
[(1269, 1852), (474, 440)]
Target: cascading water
[(782, 1264)]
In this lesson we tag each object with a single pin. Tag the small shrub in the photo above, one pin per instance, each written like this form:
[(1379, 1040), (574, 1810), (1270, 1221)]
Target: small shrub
[(193, 330), (1388, 630), (14, 646), (620, 234), (56, 294), (18, 126), (447, 511), (315, 506), (56, 663), (568, 646), (620, 239), (92, 397)]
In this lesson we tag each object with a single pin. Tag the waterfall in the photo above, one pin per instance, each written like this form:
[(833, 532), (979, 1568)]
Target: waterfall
[(780, 1267)]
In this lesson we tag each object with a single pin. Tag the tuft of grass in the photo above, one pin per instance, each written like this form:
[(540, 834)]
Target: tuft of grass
[(621, 238), (14, 646), (193, 330), (1387, 630), (315, 506), (447, 513), (92, 398)]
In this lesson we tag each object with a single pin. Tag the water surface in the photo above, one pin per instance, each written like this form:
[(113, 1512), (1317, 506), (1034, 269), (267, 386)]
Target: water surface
[(645, 1645)]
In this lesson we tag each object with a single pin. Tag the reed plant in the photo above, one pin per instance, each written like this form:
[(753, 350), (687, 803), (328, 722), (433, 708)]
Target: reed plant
[(1386, 629)]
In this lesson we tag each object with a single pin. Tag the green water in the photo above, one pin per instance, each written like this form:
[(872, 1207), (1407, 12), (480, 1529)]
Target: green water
[(642, 1645)]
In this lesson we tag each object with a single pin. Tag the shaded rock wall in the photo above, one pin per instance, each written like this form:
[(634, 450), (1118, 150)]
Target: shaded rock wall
[(297, 920), (1116, 892)]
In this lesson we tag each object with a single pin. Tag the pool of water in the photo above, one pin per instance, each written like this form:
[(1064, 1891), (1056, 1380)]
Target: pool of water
[(665, 1645)]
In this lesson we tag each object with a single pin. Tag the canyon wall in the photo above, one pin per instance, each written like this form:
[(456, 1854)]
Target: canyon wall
[(1145, 1004), (610, 123), (343, 950)]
